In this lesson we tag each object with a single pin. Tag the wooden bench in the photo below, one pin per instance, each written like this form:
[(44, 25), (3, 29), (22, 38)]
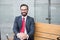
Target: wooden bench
[(45, 31)]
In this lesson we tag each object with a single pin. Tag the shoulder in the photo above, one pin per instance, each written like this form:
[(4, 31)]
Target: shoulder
[(31, 18), (17, 17)]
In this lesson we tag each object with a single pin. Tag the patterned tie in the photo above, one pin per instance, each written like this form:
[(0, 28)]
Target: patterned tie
[(23, 25)]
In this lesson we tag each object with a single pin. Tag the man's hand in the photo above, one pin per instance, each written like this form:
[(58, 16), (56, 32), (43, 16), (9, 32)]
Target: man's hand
[(18, 35), (25, 36), (22, 36)]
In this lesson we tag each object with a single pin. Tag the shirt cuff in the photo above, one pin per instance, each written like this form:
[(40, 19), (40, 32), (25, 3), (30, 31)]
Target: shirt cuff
[(27, 36)]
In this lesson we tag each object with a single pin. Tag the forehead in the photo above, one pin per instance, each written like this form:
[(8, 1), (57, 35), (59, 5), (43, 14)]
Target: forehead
[(23, 7)]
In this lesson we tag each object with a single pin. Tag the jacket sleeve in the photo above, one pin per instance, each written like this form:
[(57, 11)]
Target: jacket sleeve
[(32, 27), (15, 26)]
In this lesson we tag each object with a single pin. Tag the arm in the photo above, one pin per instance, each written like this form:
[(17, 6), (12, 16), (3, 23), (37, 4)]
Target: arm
[(32, 28), (15, 28)]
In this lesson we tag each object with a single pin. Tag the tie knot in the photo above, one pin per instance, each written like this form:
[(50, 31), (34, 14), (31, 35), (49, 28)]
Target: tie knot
[(23, 18)]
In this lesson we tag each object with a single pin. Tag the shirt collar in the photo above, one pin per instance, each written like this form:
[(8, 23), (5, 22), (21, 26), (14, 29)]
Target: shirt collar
[(24, 17)]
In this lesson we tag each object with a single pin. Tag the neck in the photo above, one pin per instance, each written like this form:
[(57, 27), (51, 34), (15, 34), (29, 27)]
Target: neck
[(24, 16)]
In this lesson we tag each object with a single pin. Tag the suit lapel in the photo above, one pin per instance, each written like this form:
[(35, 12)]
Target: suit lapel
[(27, 22), (20, 22)]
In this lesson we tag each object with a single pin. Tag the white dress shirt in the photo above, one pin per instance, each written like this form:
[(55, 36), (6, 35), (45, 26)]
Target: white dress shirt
[(25, 26)]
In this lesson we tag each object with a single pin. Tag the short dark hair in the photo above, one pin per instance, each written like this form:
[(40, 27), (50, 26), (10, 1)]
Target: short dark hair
[(24, 5)]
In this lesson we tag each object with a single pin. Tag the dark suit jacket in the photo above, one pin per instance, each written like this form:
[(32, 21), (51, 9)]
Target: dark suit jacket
[(29, 27)]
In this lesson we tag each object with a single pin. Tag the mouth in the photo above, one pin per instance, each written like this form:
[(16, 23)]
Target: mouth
[(24, 13)]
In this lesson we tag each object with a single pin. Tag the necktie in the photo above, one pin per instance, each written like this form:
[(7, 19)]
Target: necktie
[(23, 25)]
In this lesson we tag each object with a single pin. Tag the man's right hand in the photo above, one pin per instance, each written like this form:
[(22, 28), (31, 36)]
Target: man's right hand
[(18, 35)]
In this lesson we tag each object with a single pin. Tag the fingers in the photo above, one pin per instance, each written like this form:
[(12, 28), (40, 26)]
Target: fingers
[(22, 36)]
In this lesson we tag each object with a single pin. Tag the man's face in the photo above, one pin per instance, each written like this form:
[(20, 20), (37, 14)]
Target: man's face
[(24, 10)]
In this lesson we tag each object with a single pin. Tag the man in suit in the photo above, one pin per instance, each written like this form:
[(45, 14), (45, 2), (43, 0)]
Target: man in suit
[(24, 25)]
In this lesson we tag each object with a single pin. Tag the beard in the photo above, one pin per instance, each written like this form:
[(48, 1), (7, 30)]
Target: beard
[(24, 13)]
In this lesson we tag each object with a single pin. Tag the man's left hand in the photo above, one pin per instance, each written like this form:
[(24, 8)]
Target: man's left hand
[(24, 36)]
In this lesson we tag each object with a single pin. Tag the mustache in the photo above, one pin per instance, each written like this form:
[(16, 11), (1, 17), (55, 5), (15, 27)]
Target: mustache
[(23, 12)]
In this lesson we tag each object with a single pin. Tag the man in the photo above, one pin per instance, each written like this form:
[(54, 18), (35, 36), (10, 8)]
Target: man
[(24, 25)]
